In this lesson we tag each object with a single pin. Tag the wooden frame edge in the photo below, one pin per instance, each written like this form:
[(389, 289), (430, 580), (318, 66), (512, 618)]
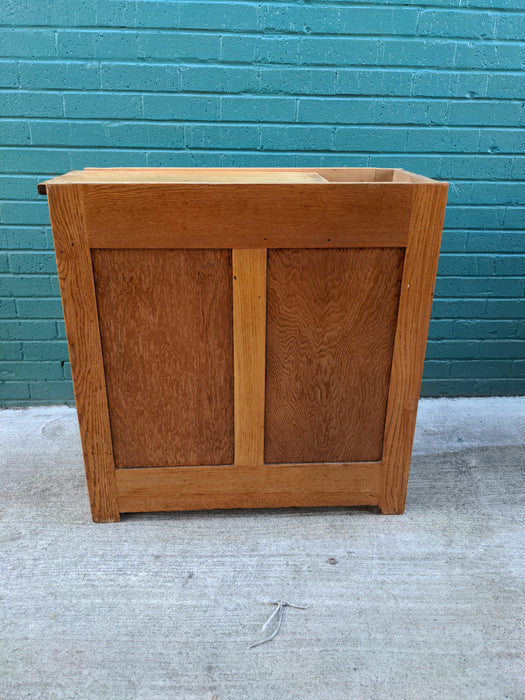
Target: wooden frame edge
[(415, 304), (77, 289), (263, 486), (249, 353)]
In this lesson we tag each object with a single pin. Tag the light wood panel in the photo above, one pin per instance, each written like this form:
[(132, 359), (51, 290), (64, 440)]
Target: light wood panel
[(166, 328), (330, 334), (238, 175), (80, 315), (193, 488), (248, 215), (411, 337), (249, 334)]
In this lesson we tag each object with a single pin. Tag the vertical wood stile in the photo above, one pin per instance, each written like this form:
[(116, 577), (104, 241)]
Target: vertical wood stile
[(249, 352), (77, 288), (417, 289)]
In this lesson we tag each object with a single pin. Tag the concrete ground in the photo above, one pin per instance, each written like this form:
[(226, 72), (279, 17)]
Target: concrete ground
[(424, 605)]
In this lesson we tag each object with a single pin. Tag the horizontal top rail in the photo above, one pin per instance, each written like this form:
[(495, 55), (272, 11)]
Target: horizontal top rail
[(238, 176)]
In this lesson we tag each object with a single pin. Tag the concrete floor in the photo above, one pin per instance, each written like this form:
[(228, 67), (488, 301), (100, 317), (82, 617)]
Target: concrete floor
[(424, 605)]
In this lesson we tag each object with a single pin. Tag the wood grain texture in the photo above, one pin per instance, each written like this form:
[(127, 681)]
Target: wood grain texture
[(166, 328), (80, 315), (276, 486), (249, 334), (322, 215), (237, 175), (411, 337), (330, 334)]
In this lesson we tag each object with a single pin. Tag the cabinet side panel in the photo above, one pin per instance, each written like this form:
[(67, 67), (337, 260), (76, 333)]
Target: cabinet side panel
[(166, 329), (80, 314), (331, 319)]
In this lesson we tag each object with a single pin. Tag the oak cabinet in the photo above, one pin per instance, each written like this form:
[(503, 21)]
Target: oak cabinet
[(246, 338)]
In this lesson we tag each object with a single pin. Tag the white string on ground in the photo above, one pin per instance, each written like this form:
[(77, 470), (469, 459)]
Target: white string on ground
[(279, 610)]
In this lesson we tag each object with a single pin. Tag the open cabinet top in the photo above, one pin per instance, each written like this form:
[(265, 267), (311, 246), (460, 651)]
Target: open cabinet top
[(236, 176)]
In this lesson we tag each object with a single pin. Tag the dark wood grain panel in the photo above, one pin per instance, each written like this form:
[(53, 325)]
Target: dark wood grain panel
[(166, 329), (159, 215), (331, 319)]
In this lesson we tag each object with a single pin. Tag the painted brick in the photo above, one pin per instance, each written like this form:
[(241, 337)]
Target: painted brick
[(512, 26), (19, 187), (28, 262), (453, 349), (502, 349), (296, 138), (25, 285), (64, 133), (457, 23), (41, 350), (369, 111), (488, 55), (497, 242), (120, 134), (257, 109), (518, 369), (39, 308), (11, 350), (184, 159), (370, 139), (61, 330), (16, 103), (210, 15), (489, 369), (55, 75), (27, 42), (10, 371), (218, 79), (472, 329), (436, 369), (297, 81), (242, 159), (15, 132), (480, 286), (182, 107), (28, 330), (502, 193), (472, 387), (385, 82), (485, 113), (14, 391), (479, 308), (24, 213), (98, 158), (7, 308), (29, 160), (52, 391), (102, 105), (141, 76), (514, 218), (481, 265), (429, 87), (224, 137)]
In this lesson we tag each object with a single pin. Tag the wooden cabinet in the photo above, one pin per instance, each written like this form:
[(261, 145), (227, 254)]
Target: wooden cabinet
[(246, 338)]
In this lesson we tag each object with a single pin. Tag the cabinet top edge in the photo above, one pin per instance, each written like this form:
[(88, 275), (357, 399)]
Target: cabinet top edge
[(237, 176)]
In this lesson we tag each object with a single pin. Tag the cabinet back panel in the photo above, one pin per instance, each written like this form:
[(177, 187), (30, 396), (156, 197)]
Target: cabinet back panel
[(331, 321), (166, 330)]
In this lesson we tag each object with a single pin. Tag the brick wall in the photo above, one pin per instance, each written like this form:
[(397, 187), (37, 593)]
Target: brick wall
[(434, 87)]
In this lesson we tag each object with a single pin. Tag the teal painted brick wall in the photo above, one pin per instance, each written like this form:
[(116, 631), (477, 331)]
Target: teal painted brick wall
[(434, 86)]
